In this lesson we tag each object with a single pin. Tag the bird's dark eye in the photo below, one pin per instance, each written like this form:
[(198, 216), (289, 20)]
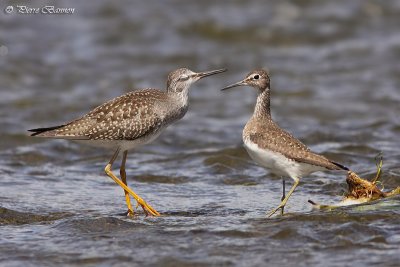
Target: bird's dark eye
[(184, 77), (256, 77)]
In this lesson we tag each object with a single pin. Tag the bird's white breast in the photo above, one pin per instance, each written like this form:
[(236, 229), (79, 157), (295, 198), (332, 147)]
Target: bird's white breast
[(278, 163)]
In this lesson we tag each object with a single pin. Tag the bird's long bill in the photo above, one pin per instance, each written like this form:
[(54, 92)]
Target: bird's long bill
[(241, 83), (208, 73)]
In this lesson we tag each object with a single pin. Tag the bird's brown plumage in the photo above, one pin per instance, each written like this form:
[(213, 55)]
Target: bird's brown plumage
[(126, 117), (268, 135)]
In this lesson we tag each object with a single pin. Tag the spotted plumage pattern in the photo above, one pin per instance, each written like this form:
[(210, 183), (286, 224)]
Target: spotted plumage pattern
[(126, 117)]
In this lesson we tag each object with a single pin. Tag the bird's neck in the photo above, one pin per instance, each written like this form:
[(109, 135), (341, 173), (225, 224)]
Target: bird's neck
[(179, 98), (177, 105), (262, 108)]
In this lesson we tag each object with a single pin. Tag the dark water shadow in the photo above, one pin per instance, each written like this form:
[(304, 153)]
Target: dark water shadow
[(12, 217)]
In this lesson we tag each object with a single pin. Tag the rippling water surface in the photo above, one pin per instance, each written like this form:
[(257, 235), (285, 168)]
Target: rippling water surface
[(335, 84)]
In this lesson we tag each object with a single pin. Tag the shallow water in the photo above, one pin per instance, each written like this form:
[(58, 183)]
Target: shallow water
[(335, 85)]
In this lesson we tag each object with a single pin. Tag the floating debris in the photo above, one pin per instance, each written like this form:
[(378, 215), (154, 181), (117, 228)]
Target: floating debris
[(361, 190)]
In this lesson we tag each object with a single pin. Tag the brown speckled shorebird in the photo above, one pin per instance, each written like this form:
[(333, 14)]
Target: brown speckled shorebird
[(129, 121), (274, 148)]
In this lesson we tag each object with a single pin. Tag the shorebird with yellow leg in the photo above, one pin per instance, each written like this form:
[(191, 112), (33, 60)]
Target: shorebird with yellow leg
[(129, 121), (274, 148)]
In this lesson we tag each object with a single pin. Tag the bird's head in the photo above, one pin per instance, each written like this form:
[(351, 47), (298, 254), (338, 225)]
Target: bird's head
[(257, 78), (181, 79)]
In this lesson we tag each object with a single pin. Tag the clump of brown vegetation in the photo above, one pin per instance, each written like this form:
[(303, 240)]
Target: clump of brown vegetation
[(361, 190)]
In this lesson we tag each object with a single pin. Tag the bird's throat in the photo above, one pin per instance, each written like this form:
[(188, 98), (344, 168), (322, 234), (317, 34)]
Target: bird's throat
[(262, 108)]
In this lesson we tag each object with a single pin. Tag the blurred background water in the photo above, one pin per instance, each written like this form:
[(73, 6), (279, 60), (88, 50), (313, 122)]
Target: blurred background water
[(335, 85)]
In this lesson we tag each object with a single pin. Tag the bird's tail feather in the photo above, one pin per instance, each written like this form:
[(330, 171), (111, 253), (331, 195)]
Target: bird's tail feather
[(39, 131), (341, 166)]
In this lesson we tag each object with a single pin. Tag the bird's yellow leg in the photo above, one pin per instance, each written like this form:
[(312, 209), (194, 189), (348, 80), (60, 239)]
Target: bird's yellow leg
[(283, 203), (146, 207), (122, 172)]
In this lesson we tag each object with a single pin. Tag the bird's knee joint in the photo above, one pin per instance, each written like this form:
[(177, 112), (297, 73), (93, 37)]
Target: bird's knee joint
[(107, 169), (296, 180)]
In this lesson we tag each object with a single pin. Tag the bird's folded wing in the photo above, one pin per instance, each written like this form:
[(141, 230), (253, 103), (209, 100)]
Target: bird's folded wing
[(127, 117), (287, 145)]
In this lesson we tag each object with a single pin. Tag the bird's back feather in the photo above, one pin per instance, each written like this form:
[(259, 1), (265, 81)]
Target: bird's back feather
[(126, 117), (270, 136)]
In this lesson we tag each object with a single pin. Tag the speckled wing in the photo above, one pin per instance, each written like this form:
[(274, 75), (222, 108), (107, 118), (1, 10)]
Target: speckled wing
[(127, 117), (274, 138)]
